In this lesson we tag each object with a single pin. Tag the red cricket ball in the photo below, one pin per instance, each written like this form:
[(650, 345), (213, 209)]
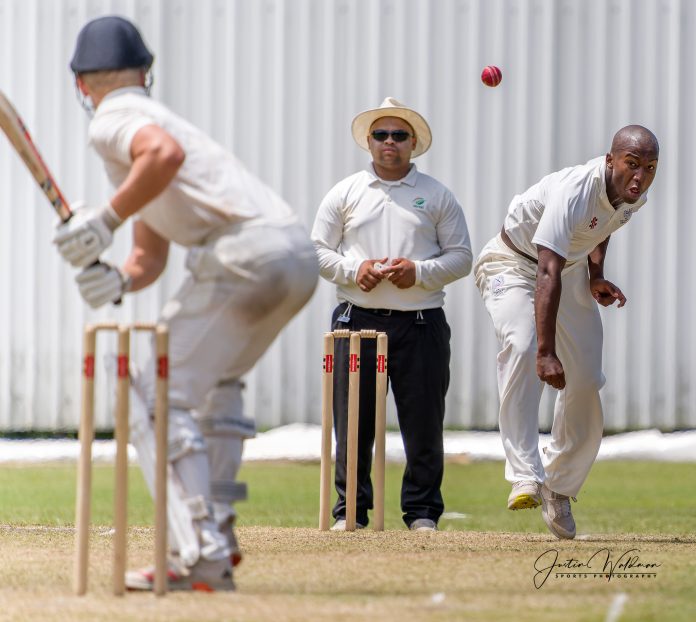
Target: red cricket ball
[(491, 75)]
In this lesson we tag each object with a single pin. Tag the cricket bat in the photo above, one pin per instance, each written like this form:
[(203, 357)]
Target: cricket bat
[(17, 133), (13, 126)]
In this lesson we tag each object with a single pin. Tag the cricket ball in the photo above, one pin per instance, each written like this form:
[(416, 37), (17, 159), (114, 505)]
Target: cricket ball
[(491, 75)]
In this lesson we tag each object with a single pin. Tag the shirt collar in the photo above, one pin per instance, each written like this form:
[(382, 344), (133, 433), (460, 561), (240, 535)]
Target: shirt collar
[(603, 197), (409, 180), (138, 90)]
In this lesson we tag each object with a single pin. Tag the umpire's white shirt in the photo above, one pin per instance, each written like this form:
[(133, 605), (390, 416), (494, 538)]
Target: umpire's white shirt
[(418, 218), (568, 212), (211, 189)]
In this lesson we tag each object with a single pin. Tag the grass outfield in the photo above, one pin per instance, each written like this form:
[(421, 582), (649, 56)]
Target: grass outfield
[(481, 566), (618, 497)]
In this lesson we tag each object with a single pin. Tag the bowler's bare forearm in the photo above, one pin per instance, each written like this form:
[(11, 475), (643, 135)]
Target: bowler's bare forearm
[(547, 298), (595, 260)]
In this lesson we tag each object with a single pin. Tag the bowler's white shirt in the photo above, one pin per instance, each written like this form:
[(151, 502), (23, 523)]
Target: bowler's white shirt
[(568, 212), (418, 218), (211, 189)]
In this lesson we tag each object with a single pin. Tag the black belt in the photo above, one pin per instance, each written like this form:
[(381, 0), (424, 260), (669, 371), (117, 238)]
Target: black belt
[(384, 312), (390, 312), (347, 308)]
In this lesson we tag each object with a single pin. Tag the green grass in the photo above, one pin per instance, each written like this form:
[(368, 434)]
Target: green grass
[(618, 497), (482, 565), (40, 495)]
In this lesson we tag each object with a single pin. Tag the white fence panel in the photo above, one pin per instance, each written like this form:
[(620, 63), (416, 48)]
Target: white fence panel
[(278, 82)]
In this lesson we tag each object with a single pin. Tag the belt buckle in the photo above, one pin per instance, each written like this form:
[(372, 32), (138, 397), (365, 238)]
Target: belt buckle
[(386, 312)]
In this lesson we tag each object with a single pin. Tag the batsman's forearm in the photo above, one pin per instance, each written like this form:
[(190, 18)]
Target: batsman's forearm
[(147, 179), (148, 257), (142, 270)]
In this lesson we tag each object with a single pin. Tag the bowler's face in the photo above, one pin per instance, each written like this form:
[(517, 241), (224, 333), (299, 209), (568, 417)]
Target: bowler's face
[(632, 171), (390, 154)]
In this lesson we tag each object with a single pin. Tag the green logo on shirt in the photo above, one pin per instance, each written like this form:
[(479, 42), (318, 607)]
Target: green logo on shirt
[(418, 203)]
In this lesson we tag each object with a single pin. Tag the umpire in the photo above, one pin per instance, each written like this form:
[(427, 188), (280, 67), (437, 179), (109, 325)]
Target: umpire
[(391, 238)]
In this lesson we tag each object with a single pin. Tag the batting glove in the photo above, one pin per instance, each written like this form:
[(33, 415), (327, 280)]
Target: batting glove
[(102, 283), (86, 235)]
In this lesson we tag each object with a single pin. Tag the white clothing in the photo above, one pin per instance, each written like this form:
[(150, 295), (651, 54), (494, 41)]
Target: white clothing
[(224, 426), (242, 289), (568, 212), (418, 218), (183, 528), (507, 283), (252, 267), (211, 189)]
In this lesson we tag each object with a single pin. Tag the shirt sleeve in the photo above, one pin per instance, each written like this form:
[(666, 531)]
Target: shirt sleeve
[(327, 235), (565, 207), (111, 134), (455, 258)]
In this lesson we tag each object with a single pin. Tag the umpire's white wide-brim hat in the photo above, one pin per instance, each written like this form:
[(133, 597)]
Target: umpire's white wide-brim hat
[(390, 107)]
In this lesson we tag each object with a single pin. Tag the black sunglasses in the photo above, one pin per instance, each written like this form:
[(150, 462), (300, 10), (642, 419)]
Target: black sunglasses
[(398, 136)]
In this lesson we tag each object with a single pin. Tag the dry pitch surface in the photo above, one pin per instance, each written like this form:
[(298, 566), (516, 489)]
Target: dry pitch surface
[(303, 574)]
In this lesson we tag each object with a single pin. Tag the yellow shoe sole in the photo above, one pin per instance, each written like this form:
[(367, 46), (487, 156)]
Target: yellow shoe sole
[(524, 502)]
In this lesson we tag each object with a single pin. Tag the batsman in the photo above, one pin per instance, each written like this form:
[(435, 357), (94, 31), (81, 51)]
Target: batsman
[(541, 279), (250, 268)]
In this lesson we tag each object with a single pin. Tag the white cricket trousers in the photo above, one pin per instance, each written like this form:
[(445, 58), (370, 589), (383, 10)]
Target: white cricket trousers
[(243, 287), (507, 283)]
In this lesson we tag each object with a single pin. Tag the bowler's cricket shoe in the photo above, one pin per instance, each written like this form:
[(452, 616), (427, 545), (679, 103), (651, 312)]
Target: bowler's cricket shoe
[(204, 576), (524, 495), (555, 509)]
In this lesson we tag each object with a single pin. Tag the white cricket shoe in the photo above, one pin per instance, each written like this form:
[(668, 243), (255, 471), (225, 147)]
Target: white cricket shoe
[(204, 576), (340, 525), (524, 495), (555, 510)]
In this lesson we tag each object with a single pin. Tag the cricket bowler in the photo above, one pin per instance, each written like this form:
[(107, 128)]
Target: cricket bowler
[(541, 279)]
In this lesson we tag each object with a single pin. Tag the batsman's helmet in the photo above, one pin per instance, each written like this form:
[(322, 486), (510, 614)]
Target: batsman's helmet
[(109, 42)]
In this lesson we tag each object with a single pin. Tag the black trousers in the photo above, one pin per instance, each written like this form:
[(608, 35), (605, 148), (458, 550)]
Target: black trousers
[(418, 372)]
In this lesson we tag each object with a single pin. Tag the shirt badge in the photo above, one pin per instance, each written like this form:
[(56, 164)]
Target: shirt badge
[(418, 203), (593, 222), (627, 213)]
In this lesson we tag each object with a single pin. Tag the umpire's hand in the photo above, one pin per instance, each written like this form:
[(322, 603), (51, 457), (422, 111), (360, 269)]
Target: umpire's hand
[(401, 272), (369, 275)]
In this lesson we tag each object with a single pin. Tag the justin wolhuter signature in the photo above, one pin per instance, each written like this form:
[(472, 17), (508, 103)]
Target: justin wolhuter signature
[(599, 563)]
